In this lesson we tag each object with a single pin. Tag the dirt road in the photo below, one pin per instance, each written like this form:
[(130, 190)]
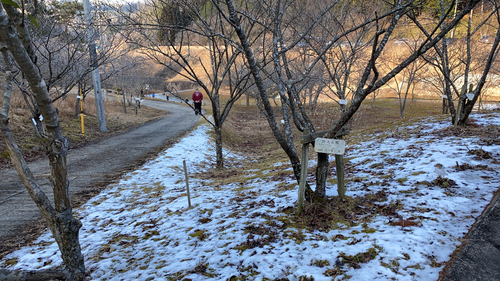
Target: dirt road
[(89, 169)]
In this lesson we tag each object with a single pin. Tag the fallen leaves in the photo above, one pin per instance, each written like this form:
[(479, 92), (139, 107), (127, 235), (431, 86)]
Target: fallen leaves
[(480, 153), (406, 223)]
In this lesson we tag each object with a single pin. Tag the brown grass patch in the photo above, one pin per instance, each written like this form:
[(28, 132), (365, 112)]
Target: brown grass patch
[(32, 146), (326, 214), (406, 223), (246, 130)]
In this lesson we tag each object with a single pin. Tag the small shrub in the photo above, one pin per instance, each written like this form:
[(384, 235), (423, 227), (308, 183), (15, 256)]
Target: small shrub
[(480, 153), (201, 234), (444, 182), (320, 263)]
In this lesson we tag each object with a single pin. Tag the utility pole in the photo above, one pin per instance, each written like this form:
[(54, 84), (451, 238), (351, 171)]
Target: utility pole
[(101, 118), (454, 16)]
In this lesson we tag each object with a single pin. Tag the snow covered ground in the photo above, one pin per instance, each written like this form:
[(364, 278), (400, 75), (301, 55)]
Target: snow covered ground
[(420, 188)]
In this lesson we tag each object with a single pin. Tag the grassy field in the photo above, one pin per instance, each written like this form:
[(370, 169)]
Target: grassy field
[(246, 130)]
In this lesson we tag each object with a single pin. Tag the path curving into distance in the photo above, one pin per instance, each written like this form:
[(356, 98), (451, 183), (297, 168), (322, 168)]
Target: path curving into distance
[(91, 166)]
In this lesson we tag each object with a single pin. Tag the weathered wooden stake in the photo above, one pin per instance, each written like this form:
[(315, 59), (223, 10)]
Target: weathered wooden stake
[(303, 175), (187, 183), (124, 103), (445, 104)]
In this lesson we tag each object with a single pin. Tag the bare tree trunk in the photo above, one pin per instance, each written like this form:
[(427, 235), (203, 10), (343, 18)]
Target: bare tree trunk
[(268, 110), (63, 225), (96, 78), (218, 148), (477, 92), (321, 175)]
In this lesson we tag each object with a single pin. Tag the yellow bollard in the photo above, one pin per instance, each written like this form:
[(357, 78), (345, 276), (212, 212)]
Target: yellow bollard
[(81, 113)]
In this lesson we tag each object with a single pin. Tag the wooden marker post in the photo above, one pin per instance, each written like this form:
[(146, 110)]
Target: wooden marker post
[(337, 147), (187, 183), (322, 145), (445, 104), (461, 99)]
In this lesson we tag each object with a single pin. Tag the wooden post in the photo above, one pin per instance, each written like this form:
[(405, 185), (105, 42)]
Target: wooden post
[(308, 138), (339, 168), (303, 175), (124, 103), (187, 183), (459, 108), (471, 89)]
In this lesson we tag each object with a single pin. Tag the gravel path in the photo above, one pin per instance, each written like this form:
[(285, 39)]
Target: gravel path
[(90, 168)]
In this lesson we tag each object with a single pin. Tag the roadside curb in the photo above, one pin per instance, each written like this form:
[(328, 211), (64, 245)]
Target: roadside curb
[(478, 258)]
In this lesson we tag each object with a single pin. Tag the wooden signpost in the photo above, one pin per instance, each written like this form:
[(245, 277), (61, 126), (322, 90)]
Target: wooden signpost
[(187, 183), (329, 146), (322, 145)]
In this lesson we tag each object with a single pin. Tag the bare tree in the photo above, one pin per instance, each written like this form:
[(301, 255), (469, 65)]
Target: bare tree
[(381, 28), (405, 82), (62, 55), (15, 40), (201, 53), (464, 71)]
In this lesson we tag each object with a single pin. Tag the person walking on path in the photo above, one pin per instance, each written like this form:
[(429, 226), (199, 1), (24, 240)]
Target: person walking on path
[(197, 98)]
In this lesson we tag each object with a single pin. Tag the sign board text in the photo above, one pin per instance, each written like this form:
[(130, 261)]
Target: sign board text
[(330, 146)]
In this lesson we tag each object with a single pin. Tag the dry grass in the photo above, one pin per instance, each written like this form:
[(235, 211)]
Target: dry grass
[(247, 130), (32, 146), (385, 113)]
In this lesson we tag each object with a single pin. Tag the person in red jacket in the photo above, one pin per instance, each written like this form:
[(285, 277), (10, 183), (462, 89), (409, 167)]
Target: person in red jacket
[(197, 98)]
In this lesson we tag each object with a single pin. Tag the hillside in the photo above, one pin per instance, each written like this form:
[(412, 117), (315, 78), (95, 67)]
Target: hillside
[(408, 205)]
